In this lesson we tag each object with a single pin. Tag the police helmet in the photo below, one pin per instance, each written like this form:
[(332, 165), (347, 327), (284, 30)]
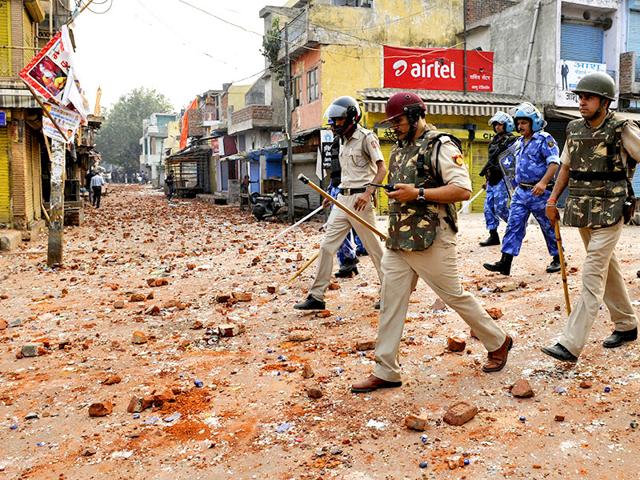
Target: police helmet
[(505, 119), (404, 103), (528, 111), (597, 83), (344, 107)]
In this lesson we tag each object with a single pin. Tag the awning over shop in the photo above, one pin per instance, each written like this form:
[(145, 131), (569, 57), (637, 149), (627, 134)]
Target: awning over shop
[(191, 154), (17, 98), (444, 103), (573, 113)]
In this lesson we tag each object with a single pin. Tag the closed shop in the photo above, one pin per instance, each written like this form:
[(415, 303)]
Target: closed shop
[(5, 193), (582, 43)]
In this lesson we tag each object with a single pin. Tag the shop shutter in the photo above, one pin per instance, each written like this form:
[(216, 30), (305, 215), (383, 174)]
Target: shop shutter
[(633, 44), (5, 194), (5, 39), (583, 43)]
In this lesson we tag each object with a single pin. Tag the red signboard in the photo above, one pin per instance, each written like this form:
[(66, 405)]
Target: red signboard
[(437, 69)]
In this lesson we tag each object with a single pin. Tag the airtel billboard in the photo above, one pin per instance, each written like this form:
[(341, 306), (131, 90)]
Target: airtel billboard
[(437, 69)]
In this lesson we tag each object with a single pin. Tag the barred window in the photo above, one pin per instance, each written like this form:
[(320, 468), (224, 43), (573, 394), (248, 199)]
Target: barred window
[(313, 92)]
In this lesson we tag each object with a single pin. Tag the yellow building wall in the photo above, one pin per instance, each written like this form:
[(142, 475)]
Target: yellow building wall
[(407, 23), (235, 96), (5, 39), (475, 152)]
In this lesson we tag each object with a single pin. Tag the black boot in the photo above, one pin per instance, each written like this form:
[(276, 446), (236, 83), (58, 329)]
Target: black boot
[(310, 304), (618, 338), (503, 266), (348, 268), (554, 266), (493, 239)]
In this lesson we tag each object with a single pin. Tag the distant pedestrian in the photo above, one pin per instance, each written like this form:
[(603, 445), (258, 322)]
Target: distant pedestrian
[(97, 182), (87, 183), (170, 183)]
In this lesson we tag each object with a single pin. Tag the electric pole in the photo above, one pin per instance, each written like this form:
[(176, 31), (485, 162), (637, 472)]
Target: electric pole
[(288, 103)]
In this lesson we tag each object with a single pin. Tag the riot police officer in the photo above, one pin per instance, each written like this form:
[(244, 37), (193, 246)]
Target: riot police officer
[(598, 160), (537, 160), (429, 175), (361, 163), (496, 203)]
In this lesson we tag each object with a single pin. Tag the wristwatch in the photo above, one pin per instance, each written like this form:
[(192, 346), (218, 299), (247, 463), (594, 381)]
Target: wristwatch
[(420, 197)]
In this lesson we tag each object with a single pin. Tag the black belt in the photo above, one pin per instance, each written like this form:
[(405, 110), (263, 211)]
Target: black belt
[(352, 191), (588, 176), (529, 186)]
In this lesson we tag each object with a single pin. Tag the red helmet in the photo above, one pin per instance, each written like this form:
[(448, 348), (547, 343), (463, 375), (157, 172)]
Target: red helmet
[(402, 103)]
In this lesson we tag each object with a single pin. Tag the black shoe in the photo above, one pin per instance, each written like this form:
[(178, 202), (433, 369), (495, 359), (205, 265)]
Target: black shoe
[(493, 239), (558, 352), (554, 266), (310, 304), (503, 266), (618, 338), (348, 268)]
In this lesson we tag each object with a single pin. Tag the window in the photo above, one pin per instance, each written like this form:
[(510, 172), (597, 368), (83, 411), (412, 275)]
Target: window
[(296, 91), (353, 3), (312, 85)]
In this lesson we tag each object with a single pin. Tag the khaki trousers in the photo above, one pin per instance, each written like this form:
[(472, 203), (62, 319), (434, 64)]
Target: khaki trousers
[(338, 227), (601, 280), (437, 266)]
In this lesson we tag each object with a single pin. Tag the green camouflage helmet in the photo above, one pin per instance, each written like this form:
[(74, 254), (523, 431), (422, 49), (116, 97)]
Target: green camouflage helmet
[(598, 83)]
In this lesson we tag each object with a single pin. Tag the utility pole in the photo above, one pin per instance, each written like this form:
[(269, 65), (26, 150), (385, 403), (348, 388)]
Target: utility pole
[(464, 39), (56, 203), (288, 103)]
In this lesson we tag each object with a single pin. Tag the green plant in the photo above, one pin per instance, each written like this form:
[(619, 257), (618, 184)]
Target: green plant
[(271, 47)]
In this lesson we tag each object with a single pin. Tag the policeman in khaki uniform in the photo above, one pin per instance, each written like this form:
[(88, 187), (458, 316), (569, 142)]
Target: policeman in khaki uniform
[(428, 172), (361, 162), (597, 161)]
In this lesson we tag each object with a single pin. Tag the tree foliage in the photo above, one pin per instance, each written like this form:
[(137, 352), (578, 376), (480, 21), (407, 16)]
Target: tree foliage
[(271, 43), (118, 138)]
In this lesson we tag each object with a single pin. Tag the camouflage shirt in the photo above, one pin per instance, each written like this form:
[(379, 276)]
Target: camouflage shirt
[(413, 225), (597, 173)]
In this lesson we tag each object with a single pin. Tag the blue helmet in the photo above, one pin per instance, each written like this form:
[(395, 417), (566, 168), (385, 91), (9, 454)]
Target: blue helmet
[(530, 112), (505, 119)]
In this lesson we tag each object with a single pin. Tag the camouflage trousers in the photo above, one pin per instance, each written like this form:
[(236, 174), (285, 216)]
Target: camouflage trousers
[(602, 280), (438, 267), (524, 203), (496, 205)]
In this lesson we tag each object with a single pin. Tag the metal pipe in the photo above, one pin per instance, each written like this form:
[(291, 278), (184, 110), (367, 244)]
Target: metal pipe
[(291, 227), (530, 52)]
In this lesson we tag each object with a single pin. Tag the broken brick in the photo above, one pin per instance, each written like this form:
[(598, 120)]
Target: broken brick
[(460, 413), (522, 389), (416, 422), (100, 409), (456, 344)]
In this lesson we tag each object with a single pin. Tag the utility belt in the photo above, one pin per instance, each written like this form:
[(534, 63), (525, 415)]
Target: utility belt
[(590, 176), (352, 191), (529, 186)]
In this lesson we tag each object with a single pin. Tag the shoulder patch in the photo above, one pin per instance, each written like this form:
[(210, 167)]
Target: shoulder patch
[(551, 143), (458, 159)]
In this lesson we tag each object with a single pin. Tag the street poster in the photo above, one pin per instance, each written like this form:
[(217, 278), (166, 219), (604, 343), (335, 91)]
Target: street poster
[(568, 74), (437, 69), (51, 74), (67, 120)]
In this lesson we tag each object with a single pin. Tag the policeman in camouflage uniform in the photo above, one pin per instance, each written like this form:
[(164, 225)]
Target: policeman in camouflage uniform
[(598, 160), (496, 203), (537, 160), (361, 163), (429, 175)]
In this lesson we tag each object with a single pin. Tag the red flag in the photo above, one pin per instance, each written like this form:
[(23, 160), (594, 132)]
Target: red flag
[(184, 131)]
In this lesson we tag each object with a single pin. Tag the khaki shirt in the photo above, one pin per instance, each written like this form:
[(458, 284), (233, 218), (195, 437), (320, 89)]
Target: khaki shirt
[(454, 172), (630, 145), (358, 157)]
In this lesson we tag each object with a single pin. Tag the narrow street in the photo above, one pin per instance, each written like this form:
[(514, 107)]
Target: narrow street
[(240, 407)]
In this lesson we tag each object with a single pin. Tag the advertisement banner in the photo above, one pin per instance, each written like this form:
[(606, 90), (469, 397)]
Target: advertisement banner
[(568, 74), (67, 120), (326, 140), (437, 69), (50, 74)]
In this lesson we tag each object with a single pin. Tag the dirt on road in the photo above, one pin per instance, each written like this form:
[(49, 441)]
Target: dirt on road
[(173, 323)]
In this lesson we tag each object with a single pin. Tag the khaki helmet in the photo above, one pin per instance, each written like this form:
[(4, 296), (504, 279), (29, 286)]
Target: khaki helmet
[(598, 83)]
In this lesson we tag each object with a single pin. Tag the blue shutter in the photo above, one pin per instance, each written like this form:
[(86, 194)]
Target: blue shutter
[(633, 44), (582, 43)]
